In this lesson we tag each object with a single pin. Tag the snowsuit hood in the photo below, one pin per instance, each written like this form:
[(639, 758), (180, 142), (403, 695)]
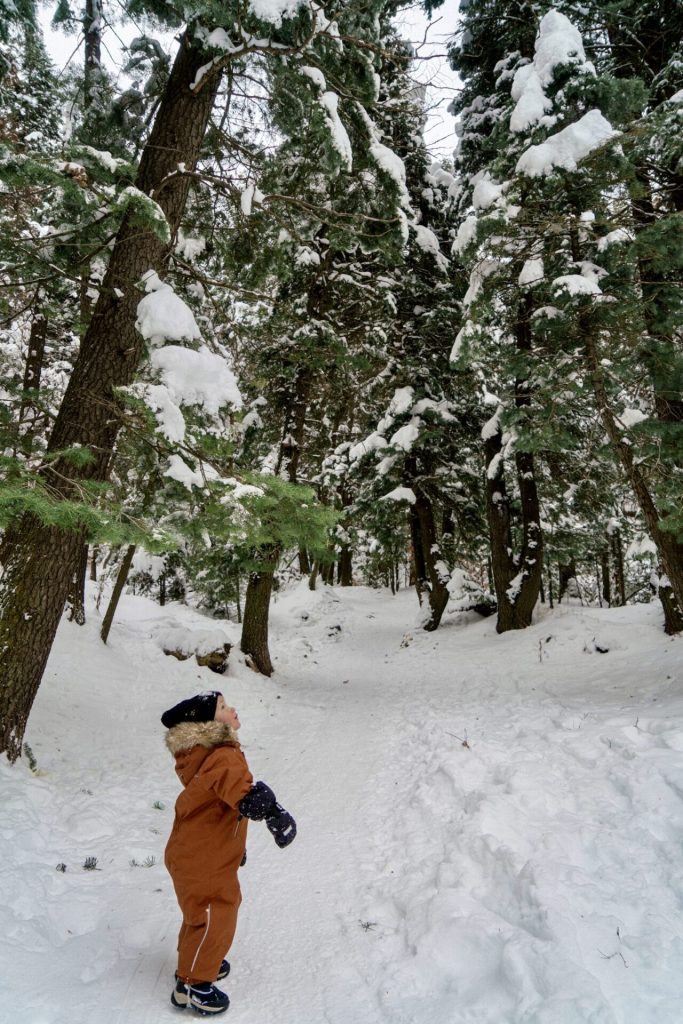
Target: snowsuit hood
[(192, 742)]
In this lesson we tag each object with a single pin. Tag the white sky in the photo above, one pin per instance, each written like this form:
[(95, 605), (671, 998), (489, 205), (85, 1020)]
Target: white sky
[(429, 38)]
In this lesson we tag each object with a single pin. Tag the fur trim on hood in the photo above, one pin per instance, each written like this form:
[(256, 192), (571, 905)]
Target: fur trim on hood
[(187, 735)]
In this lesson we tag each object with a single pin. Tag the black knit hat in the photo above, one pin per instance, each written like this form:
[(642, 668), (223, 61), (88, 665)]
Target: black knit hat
[(201, 708)]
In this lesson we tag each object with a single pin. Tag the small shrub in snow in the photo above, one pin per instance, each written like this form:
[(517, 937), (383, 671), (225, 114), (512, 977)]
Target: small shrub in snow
[(61, 867), (90, 864), (30, 757), (148, 862)]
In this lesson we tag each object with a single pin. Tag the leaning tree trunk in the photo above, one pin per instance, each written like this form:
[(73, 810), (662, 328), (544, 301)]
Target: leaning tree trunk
[(121, 578), (43, 558), (669, 549), (254, 641)]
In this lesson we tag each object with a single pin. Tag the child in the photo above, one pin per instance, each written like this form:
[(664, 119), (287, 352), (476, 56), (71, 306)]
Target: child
[(208, 841)]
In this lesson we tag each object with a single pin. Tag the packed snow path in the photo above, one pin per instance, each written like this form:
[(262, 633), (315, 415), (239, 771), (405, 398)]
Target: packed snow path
[(489, 827)]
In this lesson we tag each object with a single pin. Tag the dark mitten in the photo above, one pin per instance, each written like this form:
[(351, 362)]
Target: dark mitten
[(282, 826), (258, 803)]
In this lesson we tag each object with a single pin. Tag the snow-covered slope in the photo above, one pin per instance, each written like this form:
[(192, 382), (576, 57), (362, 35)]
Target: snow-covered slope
[(489, 827)]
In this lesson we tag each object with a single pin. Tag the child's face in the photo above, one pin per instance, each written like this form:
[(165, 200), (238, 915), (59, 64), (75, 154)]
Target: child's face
[(226, 714)]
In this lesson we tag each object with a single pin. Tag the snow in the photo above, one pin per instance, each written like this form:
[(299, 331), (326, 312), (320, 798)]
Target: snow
[(567, 148), (329, 101), (197, 377), (162, 315), (485, 193), (188, 247), (531, 273), (401, 401), (489, 826), (315, 75), (576, 284), (406, 436), (387, 161), (428, 242), (558, 43), (371, 443), (400, 494), (615, 237), (248, 197), (178, 469), (275, 11), (170, 420), (631, 417), (467, 232), (191, 641)]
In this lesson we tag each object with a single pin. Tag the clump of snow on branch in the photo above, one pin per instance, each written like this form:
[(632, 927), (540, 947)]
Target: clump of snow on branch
[(177, 469), (197, 377), (428, 242), (558, 43), (567, 148), (616, 237), (162, 315), (275, 11), (329, 101), (400, 494), (251, 195), (531, 273)]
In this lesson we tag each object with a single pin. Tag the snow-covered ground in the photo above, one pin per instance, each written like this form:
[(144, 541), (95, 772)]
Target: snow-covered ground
[(490, 828)]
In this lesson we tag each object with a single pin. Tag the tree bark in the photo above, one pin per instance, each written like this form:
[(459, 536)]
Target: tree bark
[(254, 641), (304, 563), (92, 33), (38, 572), (76, 597), (345, 567), (517, 576), (606, 581), (426, 550), (313, 578), (566, 572), (121, 578), (32, 374)]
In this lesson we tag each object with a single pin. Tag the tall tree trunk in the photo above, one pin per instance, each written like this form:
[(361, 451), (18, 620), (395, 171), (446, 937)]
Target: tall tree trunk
[(567, 572), (618, 563), (606, 580), (517, 576), (38, 572), (121, 577), (429, 575), (313, 578), (76, 597), (345, 567), (304, 563), (254, 641), (237, 597), (92, 33), (32, 373)]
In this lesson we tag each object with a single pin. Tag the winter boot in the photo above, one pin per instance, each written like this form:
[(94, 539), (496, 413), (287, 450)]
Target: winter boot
[(203, 997), (223, 971)]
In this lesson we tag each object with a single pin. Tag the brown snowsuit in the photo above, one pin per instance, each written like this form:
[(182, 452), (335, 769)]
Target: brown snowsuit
[(207, 843)]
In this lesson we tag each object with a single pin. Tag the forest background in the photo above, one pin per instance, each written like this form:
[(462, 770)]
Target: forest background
[(250, 328)]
